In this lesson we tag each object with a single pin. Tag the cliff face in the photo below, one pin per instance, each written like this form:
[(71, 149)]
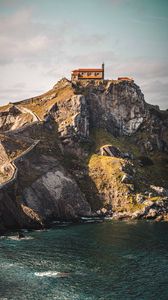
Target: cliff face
[(54, 194), (82, 147), (38, 189), (119, 108)]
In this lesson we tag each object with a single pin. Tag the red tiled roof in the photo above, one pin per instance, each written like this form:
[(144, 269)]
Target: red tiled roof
[(125, 78), (87, 70)]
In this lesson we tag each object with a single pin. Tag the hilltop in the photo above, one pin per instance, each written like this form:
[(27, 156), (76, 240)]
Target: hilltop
[(83, 149)]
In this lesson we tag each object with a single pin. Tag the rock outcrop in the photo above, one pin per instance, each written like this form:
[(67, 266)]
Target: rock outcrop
[(82, 148), (117, 107), (13, 117), (54, 194)]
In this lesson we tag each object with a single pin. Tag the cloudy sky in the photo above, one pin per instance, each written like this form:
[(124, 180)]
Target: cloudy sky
[(41, 41)]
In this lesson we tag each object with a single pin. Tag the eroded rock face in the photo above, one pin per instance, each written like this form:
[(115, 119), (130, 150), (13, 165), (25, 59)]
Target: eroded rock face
[(5, 166), (72, 117), (120, 108), (117, 107), (13, 118), (12, 215), (155, 127), (51, 191), (56, 195)]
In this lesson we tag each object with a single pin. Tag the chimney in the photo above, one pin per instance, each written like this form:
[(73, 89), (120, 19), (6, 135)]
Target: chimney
[(103, 70)]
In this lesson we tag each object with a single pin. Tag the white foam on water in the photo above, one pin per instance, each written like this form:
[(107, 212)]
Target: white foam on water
[(129, 256), (51, 274), (6, 265), (15, 238)]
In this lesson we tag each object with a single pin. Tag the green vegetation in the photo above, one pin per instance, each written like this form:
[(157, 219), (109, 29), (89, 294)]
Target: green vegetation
[(106, 173), (157, 198), (132, 207), (124, 143)]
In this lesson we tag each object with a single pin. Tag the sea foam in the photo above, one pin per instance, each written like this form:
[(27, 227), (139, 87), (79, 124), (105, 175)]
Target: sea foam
[(16, 238), (51, 274)]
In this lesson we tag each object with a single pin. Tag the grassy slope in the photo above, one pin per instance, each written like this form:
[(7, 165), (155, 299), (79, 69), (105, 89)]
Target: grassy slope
[(5, 107), (106, 171), (43, 103), (103, 174), (155, 174)]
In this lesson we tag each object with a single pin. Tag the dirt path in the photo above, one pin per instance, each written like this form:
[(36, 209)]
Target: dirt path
[(27, 110), (13, 165)]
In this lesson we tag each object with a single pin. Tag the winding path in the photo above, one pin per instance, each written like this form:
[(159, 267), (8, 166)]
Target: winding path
[(36, 119), (14, 167), (27, 110)]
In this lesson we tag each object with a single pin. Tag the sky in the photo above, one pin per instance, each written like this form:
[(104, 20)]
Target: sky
[(41, 41)]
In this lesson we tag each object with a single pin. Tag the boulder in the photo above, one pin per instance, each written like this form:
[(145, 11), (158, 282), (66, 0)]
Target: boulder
[(152, 213), (159, 190), (109, 150), (138, 213), (159, 218), (139, 198), (121, 215)]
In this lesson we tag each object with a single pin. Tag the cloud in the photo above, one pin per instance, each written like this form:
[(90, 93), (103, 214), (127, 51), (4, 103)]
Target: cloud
[(10, 3), (91, 40), (20, 85), (151, 76), (157, 87), (156, 92), (117, 2), (35, 54), (159, 18), (12, 94), (93, 58), (23, 39), (144, 68)]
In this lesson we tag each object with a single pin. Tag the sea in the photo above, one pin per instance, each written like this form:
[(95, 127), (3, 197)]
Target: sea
[(110, 260)]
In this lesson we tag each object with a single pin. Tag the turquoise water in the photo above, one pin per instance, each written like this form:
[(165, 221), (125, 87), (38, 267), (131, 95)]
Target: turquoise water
[(113, 260)]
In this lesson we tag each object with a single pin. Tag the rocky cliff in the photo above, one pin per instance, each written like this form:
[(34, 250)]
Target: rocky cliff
[(83, 149)]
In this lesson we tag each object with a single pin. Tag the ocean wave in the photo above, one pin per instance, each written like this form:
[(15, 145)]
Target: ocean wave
[(16, 238), (51, 274), (6, 265), (129, 256)]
